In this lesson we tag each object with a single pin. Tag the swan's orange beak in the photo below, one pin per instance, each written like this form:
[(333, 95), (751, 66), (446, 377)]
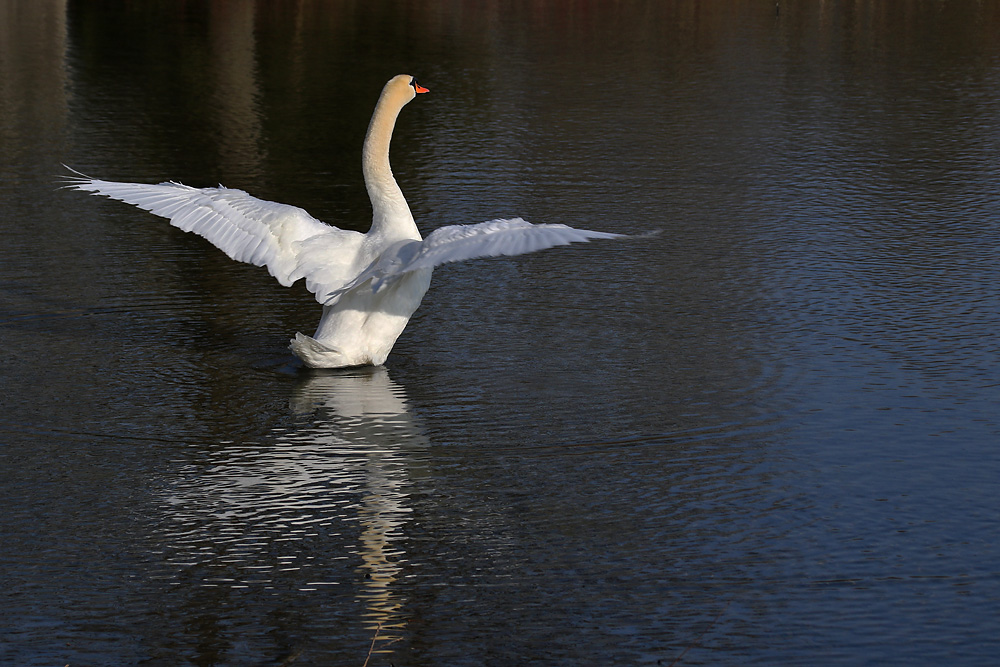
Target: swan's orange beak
[(420, 89)]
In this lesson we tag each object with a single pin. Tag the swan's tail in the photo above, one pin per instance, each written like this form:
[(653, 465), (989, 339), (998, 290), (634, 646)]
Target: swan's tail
[(317, 355)]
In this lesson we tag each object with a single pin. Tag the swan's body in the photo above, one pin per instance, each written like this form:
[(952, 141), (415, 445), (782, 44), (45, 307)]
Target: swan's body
[(369, 284)]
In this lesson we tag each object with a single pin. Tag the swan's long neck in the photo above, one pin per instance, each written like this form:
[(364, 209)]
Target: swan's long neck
[(390, 214)]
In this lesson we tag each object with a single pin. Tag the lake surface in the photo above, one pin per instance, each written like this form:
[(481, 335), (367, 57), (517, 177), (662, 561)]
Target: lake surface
[(768, 435)]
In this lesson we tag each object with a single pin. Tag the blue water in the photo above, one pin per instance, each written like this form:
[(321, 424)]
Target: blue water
[(766, 435)]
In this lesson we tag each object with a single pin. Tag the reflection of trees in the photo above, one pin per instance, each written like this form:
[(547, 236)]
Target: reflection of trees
[(235, 91), (33, 86)]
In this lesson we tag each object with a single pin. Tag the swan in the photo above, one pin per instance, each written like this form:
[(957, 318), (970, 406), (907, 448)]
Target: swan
[(369, 284)]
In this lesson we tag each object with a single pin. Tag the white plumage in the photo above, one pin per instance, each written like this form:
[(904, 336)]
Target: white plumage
[(369, 284)]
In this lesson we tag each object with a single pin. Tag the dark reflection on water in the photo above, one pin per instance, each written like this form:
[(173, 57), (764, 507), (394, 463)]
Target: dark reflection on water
[(766, 436)]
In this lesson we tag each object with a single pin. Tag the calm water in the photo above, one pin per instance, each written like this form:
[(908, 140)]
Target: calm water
[(769, 435)]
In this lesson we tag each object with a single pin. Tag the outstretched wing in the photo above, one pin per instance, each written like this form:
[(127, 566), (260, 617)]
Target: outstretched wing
[(248, 229), (455, 243), (492, 239)]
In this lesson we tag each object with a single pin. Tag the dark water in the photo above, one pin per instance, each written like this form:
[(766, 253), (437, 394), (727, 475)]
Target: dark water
[(767, 436)]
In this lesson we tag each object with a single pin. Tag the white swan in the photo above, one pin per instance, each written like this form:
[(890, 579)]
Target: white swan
[(369, 284)]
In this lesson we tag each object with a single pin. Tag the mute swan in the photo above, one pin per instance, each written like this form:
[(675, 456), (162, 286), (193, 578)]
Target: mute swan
[(369, 284)]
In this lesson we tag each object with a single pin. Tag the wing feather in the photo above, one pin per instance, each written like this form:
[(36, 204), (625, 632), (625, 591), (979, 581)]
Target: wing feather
[(283, 238), (294, 245), (456, 243)]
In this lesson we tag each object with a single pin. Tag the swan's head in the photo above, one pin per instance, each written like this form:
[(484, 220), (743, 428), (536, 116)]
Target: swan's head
[(401, 89)]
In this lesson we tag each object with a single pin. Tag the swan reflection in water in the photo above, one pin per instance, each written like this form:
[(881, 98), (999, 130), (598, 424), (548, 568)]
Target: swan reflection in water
[(368, 411), (317, 511)]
